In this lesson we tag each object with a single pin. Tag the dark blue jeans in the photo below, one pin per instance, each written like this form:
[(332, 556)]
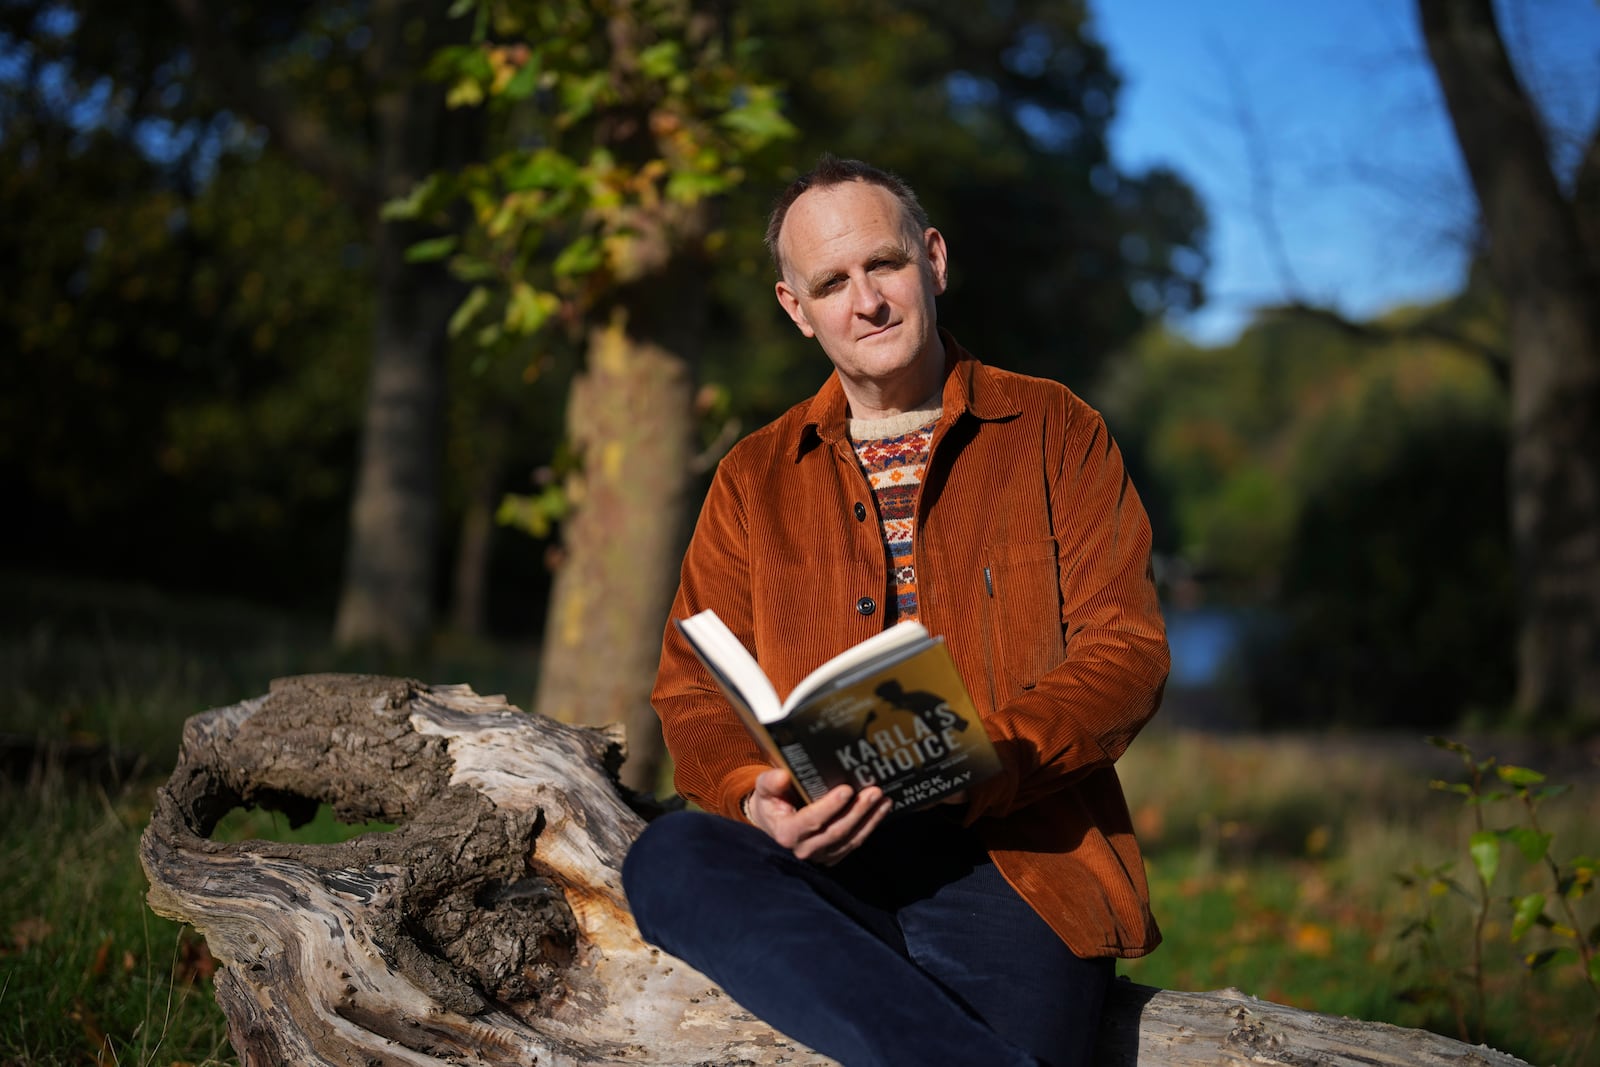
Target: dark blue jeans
[(913, 951)]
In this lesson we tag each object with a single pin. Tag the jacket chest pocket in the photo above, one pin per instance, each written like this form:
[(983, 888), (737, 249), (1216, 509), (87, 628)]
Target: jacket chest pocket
[(1022, 582)]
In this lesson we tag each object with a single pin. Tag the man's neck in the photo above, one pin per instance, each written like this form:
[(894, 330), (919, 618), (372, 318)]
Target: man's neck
[(908, 392)]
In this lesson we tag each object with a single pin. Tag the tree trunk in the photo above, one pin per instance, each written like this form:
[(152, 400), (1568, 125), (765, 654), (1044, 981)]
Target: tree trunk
[(630, 418), (469, 610), (387, 598), (1547, 271), (489, 926)]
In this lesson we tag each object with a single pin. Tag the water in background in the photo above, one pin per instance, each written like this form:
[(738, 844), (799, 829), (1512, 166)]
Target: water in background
[(1204, 688)]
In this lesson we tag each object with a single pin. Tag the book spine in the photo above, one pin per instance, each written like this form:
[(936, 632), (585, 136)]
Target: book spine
[(805, 771)]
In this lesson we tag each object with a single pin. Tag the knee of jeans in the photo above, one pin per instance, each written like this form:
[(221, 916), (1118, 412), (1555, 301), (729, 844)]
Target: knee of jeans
[(659, 866)]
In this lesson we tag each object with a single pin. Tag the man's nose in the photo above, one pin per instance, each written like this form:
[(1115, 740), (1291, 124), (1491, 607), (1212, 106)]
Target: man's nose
[(867, 295)]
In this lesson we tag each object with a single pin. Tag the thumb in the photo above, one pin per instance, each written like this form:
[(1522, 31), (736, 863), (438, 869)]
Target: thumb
[(773, 783)]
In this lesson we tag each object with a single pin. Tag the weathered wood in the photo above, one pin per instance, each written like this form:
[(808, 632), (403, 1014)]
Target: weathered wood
[(1147, 1026), (489, 927)]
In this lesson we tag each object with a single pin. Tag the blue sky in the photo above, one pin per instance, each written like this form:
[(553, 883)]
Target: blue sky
[(1354, 166)]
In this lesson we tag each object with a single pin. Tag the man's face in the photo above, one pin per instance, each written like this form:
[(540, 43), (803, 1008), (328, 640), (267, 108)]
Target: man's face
[(863, 284)]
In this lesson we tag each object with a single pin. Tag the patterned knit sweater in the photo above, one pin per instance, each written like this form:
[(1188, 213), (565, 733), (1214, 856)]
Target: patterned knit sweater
[(894, 453)]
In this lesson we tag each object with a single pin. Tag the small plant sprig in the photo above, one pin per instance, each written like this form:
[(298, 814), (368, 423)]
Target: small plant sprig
[(1552, 908)]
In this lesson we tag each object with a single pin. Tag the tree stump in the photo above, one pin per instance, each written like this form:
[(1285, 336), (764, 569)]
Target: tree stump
[(489, 926)]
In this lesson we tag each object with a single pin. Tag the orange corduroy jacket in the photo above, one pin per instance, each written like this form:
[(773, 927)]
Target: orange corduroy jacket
[(1032, 559)]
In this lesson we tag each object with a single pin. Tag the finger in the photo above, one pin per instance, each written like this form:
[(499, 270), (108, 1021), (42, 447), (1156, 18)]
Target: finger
[(820, 814), (826, 838), (874, 819), (789, 826)]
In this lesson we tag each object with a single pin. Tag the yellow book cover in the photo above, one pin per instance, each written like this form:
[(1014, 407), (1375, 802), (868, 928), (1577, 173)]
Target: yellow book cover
[(891, 712)]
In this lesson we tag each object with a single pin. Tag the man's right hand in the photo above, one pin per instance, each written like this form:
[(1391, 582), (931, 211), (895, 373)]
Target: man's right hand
[(824, 831)]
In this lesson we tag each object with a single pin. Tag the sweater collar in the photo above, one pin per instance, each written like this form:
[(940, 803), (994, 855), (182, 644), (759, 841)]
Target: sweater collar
[(969, 387)]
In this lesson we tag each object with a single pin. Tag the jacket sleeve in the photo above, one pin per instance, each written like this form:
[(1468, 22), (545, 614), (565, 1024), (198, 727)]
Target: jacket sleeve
[(716, 762), (1081, 714)]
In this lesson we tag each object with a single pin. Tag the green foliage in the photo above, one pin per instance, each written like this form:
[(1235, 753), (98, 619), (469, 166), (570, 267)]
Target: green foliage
[(613, 125), (184, 314), (537, 514), (999, 116), (188, 311), (1552, 909), (1271, 863), (1354, 487), (1397, 587), (185, 369)]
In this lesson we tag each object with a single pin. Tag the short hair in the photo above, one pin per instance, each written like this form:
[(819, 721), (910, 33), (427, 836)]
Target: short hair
[(829, 171)]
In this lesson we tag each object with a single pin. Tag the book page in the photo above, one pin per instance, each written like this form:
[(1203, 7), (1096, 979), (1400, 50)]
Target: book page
[(726, 655), (896, 637)]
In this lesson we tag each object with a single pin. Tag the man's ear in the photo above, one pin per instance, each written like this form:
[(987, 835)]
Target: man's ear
[(938, 258), (789, 300)]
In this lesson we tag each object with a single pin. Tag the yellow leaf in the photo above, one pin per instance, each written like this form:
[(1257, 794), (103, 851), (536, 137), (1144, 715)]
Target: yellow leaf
[(464, 93), (1312, 939)]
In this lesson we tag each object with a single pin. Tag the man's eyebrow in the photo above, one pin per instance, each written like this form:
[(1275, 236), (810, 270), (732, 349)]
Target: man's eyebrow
[(893, 253)]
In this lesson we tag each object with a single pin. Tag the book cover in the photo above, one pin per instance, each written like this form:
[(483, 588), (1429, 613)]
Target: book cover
[(891, 712)]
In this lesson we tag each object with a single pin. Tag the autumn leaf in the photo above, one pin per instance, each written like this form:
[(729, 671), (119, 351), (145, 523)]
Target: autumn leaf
[(1313, 939)]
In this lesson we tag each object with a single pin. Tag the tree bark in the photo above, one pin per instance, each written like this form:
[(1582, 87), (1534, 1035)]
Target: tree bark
[(1547, 270), (629, 416), (489, 925), (469, 608), (387, 597)]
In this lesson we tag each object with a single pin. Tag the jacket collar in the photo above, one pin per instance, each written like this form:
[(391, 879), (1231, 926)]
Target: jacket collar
[(969, 388)]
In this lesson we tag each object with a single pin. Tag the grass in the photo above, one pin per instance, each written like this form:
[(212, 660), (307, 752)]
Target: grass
[(95, 683), (90, 975), (1273, 866), (1272, 860)]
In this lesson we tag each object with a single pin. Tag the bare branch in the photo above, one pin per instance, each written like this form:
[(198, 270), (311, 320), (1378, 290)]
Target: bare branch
[(1435, 326), (1263, 194), (1586, 196)]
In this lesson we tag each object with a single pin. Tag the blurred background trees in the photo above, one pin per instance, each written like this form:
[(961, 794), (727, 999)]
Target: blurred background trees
[(234, 371), (1343, 498), (1543, 251)]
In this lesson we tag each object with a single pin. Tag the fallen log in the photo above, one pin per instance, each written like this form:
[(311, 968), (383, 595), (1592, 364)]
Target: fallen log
[(489, 926)]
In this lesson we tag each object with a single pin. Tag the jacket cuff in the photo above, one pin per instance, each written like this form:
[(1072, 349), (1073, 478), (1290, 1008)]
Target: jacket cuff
[(736, 786), (995, 795)]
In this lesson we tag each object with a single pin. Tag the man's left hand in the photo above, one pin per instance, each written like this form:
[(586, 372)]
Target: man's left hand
[(824, 831)]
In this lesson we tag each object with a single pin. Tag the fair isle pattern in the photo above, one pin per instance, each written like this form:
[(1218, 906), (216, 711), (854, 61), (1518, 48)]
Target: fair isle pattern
[(894, 453)]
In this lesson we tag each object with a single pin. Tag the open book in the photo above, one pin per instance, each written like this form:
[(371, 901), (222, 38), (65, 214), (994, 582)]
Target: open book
[(890, 711)]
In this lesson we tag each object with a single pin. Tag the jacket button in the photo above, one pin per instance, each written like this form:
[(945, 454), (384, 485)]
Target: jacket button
[(866, 605), (861, 512)]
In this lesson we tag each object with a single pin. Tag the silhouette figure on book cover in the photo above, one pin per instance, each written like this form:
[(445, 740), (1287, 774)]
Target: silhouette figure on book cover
[(931, 708)]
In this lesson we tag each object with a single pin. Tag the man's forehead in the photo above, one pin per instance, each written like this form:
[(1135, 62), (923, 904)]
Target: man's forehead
[(832, 216)]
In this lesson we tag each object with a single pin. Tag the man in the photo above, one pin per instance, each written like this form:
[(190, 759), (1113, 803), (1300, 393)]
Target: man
[(980, 932)]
